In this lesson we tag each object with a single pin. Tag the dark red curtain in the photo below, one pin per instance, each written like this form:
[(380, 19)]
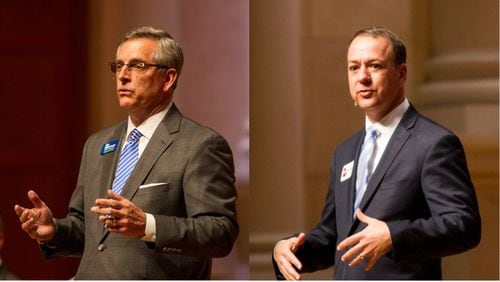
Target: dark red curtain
[(43, 95)]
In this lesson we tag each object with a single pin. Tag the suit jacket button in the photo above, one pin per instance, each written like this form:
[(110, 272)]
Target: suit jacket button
[(100, 248)]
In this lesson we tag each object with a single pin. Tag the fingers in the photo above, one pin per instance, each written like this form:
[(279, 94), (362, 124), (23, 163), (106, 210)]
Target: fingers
[(368, 245), (287, 262), (108, 203), (114, 201), (27, 219), (288, 265), (289, 272), (30, 227), (357, 259), (35, 200), (106, 213), (109, 211), (348, 242), (19, 210), (110, 222), (352, 252), (371, 262), (354, 239), (23, 213)]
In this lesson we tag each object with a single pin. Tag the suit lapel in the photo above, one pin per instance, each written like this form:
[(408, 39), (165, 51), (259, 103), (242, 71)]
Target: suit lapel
[(352, 188), (160, 141), (110, 160), (398, 139)]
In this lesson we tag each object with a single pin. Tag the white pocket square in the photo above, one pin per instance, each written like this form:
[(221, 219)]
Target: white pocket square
[(151, 185)]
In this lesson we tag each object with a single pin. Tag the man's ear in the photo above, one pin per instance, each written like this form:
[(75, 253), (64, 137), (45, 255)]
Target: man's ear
[(170, 80), (403, 73)]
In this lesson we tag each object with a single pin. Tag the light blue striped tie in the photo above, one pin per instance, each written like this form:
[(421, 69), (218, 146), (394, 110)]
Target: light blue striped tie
[(127, 162), (365, 165)]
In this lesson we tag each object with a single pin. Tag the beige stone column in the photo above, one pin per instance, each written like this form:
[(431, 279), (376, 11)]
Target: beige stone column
[(460, 91), (276, 128)]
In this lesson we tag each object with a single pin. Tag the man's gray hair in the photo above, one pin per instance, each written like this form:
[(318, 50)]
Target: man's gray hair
[(169, 52)]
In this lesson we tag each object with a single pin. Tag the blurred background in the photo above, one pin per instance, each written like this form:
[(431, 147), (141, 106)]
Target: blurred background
[(300, 108), (57, 90)]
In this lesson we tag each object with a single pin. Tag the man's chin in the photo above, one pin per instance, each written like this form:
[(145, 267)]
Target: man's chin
[(126, 104), (366, 105)]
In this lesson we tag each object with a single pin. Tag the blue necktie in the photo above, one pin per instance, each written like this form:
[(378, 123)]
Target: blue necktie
[(365, 165), (127, 162)]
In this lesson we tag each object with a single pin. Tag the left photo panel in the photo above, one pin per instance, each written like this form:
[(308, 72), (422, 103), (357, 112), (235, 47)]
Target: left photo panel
[(126, 146)]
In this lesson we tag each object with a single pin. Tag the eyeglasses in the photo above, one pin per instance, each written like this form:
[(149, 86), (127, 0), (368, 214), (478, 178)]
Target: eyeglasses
[(135, 66)]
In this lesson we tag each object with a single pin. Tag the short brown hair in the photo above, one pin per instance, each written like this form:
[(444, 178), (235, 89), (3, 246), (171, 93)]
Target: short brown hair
[(398, 46)]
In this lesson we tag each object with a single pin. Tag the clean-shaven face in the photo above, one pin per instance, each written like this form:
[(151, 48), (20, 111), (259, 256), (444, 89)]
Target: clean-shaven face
[(141, 93), (376, 84)]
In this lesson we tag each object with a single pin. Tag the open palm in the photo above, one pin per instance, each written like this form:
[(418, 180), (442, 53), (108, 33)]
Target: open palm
[(38, 221)]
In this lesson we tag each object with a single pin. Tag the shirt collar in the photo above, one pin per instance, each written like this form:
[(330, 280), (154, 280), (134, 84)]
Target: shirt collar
[(148, 127), (390, 121)]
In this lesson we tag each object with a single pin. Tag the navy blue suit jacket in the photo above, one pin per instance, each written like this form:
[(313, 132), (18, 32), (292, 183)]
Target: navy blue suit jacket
[(421, 188)]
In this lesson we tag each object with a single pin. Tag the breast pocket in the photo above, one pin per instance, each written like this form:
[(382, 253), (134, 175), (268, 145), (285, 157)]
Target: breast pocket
[(151, 198)]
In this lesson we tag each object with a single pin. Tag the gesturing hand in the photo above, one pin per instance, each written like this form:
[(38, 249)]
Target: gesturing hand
[(371, 243), (38, 221), (120, 215), (285, 257)]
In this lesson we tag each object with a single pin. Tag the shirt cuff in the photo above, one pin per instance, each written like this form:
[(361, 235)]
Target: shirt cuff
[(150, 229)]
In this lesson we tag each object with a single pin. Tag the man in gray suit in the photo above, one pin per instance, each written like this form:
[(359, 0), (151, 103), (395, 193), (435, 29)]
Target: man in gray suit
[(155, 197)]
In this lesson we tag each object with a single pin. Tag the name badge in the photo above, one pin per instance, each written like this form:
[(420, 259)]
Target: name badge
[(109, 147), (346, 171)]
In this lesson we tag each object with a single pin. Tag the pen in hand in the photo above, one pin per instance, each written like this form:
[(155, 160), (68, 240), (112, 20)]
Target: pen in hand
[(110, 217)]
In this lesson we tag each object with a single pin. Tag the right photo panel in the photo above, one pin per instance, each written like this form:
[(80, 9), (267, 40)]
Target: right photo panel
[(374, 139)]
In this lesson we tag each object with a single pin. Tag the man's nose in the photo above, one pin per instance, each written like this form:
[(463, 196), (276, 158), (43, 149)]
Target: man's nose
[(364, 75), (123, 74)]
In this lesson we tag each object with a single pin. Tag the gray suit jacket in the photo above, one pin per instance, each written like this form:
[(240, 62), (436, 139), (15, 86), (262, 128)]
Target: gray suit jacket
[(195, 210)]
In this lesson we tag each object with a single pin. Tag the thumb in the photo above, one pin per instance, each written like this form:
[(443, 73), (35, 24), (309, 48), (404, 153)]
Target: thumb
[(298, 242), (114, 196), (362, 217), (35, 199), (301, 239)]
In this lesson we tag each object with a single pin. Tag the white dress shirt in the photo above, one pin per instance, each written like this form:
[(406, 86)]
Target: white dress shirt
[(386, 127), (147, 129)]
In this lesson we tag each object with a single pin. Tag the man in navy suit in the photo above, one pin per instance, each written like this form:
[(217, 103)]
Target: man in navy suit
[(400, 195)]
